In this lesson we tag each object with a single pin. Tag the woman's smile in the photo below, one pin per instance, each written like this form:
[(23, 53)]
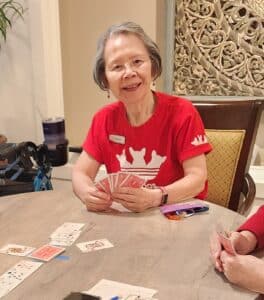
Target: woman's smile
[(128, 69), (132, 87)]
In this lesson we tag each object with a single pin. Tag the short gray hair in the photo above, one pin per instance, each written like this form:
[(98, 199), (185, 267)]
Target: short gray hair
[(125, 28)]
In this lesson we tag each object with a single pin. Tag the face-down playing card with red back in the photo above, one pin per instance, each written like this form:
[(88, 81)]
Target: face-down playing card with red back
[(225, 240), (132, 181), (119, 179), (104, 185), (46, 252), (227, 244), (113, 181)]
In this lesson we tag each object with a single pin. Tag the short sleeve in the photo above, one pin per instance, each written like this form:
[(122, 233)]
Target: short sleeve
[(255, 224), (191, 139), (92, 142)]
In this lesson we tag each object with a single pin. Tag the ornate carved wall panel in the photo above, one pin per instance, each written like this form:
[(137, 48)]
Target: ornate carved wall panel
[(219, 47)]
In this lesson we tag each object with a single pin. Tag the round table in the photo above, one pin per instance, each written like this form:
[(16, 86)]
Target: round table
[(149, 250)]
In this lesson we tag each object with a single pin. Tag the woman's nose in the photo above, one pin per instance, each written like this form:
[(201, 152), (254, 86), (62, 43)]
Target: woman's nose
[(129, 71)]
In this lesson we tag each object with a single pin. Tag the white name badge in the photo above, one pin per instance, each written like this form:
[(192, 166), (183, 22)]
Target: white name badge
[(119, 139)]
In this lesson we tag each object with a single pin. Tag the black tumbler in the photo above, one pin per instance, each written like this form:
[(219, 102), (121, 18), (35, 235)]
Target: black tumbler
[(54, 138)]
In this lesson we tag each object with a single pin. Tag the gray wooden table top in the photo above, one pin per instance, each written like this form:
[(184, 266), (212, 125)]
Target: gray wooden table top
[(149, 250)]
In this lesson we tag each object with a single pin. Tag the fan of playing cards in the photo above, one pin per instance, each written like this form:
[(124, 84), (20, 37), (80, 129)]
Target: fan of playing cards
[(121, 179)]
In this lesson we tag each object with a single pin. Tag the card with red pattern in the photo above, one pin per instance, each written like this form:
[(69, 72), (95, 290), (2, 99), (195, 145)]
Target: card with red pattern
[(46, 252), (133, 181)]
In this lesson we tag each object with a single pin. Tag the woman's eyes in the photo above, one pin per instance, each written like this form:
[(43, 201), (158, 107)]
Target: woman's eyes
[(134, 63), (137, 62), (116, 67)]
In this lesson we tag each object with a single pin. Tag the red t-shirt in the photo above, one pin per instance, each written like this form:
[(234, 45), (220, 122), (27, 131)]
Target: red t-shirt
[(255, 224), (154, 150)]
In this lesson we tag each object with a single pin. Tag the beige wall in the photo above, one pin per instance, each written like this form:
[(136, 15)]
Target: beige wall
[(30, 77), (17, 119), (82, 22), (30, 81)]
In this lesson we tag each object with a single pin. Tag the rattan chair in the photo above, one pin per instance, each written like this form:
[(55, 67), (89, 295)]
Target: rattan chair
[(231, 128)]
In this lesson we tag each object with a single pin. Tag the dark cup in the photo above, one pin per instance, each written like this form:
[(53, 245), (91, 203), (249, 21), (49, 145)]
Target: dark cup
[(54, 138), (58, 155), (54, 131)]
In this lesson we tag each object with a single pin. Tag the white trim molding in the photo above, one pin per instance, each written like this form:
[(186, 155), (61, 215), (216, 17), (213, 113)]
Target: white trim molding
[(52, 57), (257, 173), (47, 87)]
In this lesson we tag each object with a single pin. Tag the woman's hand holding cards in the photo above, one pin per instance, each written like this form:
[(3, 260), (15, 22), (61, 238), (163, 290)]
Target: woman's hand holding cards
[(137, 199), (126, 189), (97, 200)]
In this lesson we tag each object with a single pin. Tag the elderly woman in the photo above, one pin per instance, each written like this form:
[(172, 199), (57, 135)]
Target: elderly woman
[(157, 135), (244, 270)]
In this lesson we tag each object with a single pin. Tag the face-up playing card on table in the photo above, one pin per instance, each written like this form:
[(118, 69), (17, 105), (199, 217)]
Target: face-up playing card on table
[(94, 245), (15, 275), (108, 289), (69, 227), (15, 249), (46, 252), (65, 239), (66, 234)]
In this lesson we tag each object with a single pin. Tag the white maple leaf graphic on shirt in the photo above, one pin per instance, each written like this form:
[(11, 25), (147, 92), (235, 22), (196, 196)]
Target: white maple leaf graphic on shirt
[(138, 165), (199, 140)]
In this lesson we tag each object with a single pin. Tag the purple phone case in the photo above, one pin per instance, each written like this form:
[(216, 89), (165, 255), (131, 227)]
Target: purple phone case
[(182, 206)]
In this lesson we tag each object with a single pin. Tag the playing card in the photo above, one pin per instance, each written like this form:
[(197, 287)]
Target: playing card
[(108, 289), (99, 187), (18, 250), (94, 245), (121, 177), (224, 239), (113, 181), (119, 207), (46, 252), (68, 227), (14, 276), (227, 244), (65, 239), (133, 181), (105, 183), (66, 234)]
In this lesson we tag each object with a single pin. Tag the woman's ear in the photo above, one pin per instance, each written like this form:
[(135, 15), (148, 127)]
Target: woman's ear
[(105, 83)]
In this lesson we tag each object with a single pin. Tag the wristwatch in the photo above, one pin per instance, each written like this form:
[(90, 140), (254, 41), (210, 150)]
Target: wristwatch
[(164, 196)]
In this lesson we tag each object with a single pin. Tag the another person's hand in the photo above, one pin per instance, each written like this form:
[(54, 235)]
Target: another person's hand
[(244, 270), (96, 200), (215, 251), (244, 242), (137, 199)]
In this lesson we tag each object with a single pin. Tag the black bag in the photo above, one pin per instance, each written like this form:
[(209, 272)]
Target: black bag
[(24, 167)]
